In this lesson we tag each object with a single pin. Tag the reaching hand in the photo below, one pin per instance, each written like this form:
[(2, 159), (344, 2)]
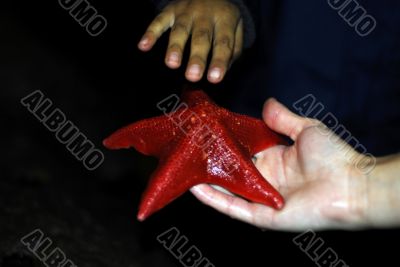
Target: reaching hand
[(215, 23), (321, 186)]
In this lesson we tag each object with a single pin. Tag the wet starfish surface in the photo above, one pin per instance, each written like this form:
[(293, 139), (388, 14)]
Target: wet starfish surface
[(198, 142)]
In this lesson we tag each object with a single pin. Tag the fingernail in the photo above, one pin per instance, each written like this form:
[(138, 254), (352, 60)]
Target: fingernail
[(195, 189), (194, 71), (215, 74), (173, 58), (144, 41)]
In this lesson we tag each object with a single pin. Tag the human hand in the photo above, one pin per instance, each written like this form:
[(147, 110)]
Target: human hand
[(322, 187), (215, 23)]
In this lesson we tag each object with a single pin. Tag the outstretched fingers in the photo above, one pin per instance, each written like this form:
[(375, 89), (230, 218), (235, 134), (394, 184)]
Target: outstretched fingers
[(156, 28), (280, 119), (178, 37), (223, 45), (235, 207), (202, 35)]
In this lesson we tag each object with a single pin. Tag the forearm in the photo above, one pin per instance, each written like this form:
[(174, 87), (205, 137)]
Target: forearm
[(383, 192)]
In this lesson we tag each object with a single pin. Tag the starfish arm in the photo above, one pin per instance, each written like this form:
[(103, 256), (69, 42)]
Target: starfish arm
[(254, 187), (231, 168), (195, 97), (252, 134), (149, 136), (183, 169)]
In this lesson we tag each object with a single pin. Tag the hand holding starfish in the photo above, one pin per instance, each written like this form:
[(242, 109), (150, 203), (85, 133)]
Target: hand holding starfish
[(322, 187)]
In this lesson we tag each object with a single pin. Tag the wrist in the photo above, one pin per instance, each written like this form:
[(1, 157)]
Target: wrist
[(357, 196), (383, 184)]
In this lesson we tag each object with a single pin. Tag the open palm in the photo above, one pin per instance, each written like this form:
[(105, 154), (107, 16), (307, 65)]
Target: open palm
[(315, 175)]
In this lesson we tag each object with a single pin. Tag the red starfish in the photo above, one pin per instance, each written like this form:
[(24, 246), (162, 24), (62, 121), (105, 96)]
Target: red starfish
[(199, 142)]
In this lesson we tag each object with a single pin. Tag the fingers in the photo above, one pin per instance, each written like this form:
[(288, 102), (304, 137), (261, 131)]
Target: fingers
[(235, 207), (204, 23), (200, 47), (229, 205), (157, 27), (224, 42), (282, 120), (179, 35), (237, 51)]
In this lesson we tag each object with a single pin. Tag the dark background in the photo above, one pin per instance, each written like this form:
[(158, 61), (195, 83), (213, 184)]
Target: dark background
[(102, 83)]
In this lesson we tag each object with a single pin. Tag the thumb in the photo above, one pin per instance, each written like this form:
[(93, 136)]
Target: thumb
[(280, 119)]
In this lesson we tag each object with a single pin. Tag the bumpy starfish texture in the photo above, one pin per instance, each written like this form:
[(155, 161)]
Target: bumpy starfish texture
[(198, 142)]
